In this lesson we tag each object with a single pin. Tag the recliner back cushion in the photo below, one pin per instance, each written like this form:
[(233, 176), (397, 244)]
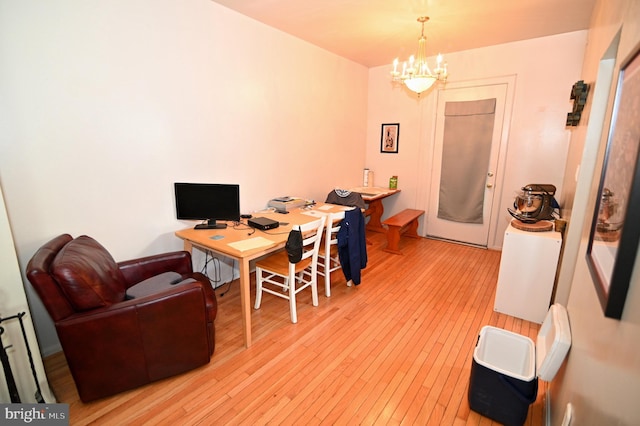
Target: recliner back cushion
[(88, 275)]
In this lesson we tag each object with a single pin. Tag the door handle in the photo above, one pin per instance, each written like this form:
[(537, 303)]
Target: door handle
[(490, 174), (489, 185)]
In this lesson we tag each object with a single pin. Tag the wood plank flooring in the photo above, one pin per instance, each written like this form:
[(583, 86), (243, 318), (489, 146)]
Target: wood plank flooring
[(395, 350)]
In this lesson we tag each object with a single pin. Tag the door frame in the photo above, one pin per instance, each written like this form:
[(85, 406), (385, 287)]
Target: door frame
[(428, 134)]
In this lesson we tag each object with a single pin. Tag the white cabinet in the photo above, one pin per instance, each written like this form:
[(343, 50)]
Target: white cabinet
[(527, 273)]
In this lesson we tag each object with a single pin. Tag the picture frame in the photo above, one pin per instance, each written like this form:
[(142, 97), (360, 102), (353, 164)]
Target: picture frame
[(389, 138), (615, 229)]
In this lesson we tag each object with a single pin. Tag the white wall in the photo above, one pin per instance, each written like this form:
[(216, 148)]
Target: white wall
[(545, 69), (601, 378), (103, 105)]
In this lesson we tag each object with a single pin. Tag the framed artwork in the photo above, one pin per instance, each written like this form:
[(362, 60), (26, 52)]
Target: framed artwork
[(389, 138), (615, 230)]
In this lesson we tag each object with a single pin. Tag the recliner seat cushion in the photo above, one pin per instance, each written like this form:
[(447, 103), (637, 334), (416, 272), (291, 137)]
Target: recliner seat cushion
[(155, 284), (88, 275)]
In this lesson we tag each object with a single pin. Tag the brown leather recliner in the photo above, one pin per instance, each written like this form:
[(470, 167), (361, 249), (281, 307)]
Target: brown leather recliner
[(122, 325)]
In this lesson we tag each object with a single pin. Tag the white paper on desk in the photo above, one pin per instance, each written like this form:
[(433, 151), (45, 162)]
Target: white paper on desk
[(326, 207), (314, 213), (251, 243), (371, 190)]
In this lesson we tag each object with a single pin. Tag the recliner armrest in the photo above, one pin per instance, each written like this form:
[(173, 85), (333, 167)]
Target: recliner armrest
[(137, 270), (136, 341), (111, 313)]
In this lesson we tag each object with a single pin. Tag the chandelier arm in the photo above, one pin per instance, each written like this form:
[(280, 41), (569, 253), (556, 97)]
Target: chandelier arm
[(416, 74)]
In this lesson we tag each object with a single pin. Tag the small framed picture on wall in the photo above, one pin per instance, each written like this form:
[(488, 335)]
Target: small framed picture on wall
[(389, 138)]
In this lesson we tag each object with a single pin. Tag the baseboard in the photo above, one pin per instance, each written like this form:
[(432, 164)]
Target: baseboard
[(432, 237)]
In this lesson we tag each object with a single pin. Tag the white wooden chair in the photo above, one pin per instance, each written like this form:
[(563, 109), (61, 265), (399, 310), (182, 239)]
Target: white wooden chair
[(328, 260), (276, 275)]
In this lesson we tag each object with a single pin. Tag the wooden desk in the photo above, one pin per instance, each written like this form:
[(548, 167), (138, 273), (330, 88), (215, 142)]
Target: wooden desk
[(373, 196), (219, 240)]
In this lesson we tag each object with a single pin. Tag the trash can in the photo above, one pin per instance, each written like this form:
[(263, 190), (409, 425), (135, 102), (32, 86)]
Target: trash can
[(506, 367)]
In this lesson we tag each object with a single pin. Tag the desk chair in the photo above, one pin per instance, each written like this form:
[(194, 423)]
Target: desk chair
[(345, 197), (291, 278), (328, 260)]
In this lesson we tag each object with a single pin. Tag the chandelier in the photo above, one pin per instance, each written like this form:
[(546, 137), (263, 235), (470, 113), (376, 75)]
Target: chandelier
[(416, 74)]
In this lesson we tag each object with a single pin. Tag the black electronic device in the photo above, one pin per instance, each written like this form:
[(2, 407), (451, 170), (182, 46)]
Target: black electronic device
[(263, 223), (210, 202)]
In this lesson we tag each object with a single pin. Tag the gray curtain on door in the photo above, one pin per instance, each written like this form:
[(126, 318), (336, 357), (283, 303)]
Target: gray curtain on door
[(466, 148)]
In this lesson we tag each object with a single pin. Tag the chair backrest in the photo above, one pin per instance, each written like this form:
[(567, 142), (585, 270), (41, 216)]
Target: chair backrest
[(312, 235), (334, 221), (38, 272), (75, 275), (345, 198)]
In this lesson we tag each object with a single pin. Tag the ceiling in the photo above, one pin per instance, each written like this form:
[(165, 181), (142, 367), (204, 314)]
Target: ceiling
[(374, 32)]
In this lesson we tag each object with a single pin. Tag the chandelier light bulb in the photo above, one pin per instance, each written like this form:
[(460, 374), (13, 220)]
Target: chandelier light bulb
[(417, 75)]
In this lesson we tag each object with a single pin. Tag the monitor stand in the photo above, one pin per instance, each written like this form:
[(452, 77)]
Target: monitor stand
[(211, 224)]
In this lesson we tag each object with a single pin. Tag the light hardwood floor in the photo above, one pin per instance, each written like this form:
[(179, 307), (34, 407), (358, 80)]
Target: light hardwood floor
[(395, 350)]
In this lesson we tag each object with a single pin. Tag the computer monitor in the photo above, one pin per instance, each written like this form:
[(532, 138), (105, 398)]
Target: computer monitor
[(209, 202)]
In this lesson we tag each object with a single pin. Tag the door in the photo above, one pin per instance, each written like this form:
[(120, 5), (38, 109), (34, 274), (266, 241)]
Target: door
[(482, 154)]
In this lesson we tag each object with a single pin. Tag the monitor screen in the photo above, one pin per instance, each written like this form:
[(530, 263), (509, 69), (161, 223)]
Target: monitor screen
[(207, 201)]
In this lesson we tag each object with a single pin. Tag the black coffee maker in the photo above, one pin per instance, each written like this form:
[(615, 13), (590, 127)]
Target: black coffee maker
[(535, 203)]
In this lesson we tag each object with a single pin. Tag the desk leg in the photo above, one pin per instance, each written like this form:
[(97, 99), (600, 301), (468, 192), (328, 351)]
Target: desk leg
[(245, 300), (245, 295), (375, 211)]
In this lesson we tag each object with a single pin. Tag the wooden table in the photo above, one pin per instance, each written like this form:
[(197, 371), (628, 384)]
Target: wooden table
[(244, 245), (373, 196)]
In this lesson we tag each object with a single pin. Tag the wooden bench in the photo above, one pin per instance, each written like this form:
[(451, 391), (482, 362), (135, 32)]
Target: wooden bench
[(405, 222)]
